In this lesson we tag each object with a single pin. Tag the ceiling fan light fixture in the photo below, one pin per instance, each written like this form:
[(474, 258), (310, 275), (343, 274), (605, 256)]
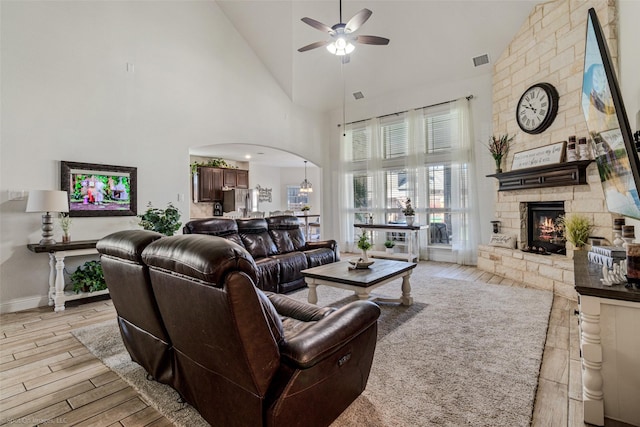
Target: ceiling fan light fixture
[(342, 46)]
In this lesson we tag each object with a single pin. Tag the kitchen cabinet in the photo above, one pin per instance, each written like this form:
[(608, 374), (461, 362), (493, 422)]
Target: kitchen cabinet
[(242, 179), (230, 178), (209, 184), (211, 180)]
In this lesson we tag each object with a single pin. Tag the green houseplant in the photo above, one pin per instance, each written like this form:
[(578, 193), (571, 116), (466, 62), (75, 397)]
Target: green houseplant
[(389, 244), (164, 221), (364, 245), (577, 229), (65, 224), (88, 278), (409, 212)]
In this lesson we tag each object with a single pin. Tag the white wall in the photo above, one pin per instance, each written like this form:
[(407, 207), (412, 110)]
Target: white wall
[(267, 177), (67, 95)]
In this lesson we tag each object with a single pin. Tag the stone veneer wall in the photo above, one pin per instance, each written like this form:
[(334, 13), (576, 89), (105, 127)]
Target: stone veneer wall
[(548, 48)]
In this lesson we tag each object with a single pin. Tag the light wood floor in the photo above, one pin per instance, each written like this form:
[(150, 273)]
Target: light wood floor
[(46, 375)]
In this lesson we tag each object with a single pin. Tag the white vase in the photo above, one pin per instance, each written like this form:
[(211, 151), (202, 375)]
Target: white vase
[(364, 256), (389, 250), (410, 219)]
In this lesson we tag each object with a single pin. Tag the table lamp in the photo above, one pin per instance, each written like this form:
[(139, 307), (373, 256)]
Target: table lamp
[(47, 201)]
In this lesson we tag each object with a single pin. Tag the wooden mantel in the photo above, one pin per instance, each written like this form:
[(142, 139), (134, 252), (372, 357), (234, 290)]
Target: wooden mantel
[(568, 173)]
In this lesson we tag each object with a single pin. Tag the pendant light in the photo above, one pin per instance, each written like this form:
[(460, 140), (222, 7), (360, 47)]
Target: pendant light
[(305, 186)]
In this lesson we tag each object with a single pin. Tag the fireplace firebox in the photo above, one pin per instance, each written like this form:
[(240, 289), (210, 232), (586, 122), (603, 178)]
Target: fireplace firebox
[(544, 231)]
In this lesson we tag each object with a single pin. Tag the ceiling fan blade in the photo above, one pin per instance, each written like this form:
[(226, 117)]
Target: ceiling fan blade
[(314, 45), (357, 20), (318, 25), (372, 40)]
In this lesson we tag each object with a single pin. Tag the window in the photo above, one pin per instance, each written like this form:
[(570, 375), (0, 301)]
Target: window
[(295, 199), (386, 168), (394, 138)]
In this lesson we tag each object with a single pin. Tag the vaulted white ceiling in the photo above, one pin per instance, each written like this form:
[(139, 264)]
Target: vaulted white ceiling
[(432, 41)]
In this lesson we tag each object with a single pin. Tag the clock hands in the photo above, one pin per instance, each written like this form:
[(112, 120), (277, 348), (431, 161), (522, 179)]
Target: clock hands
[(528, 106)]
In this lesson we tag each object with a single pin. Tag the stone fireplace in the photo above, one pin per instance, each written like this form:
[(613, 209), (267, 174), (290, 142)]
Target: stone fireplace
[(541, 230), (548, 48)]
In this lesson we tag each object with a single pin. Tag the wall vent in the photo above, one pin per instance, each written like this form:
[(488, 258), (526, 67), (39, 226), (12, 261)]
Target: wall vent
[(358, 95), (481, 60)]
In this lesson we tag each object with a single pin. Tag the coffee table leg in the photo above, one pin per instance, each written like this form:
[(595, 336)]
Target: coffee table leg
[(312, 297), (362, 295), (406, 298)]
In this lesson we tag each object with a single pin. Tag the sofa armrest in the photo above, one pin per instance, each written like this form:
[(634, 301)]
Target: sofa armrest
[(331, 244), (329, 334), (315, 244), (296, 309)]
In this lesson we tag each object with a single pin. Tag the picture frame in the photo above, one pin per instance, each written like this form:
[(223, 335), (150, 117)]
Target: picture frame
[(96, 190), (547, 155), (608, 125)]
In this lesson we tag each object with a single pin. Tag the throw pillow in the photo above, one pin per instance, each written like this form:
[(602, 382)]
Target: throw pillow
[(503, 240)]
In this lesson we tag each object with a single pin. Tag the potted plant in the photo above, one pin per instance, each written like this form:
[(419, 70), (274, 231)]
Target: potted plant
[(65, 224), (306, 208), (364, 245), (88, 278), (389, 244), (409, 212), (577, 229), (499, 147), (164, 221)]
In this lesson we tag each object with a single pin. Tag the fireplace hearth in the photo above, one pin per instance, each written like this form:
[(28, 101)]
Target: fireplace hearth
[(541, 223)]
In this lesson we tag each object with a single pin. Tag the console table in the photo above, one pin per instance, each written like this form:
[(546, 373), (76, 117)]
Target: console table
[(410, 231), (57, 253), (308, 224), (609, 345)]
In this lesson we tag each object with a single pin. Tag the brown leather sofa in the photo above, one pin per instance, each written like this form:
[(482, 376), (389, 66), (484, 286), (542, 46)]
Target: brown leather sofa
[(127, 277), (277, 245), (243, 357)]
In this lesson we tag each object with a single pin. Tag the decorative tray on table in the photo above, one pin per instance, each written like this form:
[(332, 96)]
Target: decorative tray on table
[(359, 263)]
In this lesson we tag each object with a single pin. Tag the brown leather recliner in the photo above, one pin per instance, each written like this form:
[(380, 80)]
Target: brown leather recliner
[(141, 327), (244, 357)]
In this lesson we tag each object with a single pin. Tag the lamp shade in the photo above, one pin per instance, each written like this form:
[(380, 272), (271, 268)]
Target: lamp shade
[(47, 201)]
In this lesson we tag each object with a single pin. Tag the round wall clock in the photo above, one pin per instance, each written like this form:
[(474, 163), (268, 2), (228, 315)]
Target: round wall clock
[(537, 108)]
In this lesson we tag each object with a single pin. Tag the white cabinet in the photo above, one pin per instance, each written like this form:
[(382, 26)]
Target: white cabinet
[(609, 347)]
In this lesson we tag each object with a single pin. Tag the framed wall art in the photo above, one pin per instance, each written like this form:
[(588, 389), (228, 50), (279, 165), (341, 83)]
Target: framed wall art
[(99, 190)]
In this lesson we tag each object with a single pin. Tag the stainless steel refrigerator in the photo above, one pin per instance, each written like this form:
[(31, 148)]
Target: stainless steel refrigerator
[(240, 199)]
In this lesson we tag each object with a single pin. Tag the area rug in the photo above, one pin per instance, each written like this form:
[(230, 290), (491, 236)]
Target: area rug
[(465, 353)]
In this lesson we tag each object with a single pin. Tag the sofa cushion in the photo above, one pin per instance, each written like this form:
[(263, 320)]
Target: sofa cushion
[(268, 274), (162, 254), (221, 227), (291, 265), (286, 233), (255, 237), (273, 318)]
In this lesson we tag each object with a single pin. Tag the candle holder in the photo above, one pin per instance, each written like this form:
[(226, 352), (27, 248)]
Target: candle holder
[(496, 226), (617, 232)]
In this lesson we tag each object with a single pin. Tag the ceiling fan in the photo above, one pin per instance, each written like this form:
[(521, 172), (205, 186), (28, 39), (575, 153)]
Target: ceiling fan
[(342, 37)]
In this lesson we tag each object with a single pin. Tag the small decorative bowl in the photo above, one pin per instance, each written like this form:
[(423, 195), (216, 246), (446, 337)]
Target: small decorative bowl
[(359, 263)]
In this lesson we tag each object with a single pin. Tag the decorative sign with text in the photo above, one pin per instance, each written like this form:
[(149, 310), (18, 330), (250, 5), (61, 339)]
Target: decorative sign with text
[(264, 194), (547, 155)]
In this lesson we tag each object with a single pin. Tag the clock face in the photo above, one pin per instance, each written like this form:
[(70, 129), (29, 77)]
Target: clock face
[(537, 108)]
